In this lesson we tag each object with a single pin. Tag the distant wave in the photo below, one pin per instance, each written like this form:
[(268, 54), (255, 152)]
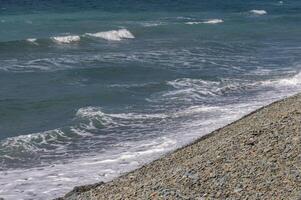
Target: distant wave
[(66, 39), (211, 21), (258, 12), (114, 35), (31, 40), (152, 24)]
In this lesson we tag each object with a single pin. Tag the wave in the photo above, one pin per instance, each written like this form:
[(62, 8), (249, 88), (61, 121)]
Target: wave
[(284, 82), (32, 40), (66, 39), (152, 24), (211, 21), (114, 35), (127, 154), (88, 120), (258, 12), (198, 88), (193, 89), (16, 150), (214, 21), (94, 117), (192, 23)]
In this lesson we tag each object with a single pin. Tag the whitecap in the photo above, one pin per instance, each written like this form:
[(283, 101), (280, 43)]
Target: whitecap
[(152, 24), (66, 39), (114, 35), (258, 12), (185, 18), (192, 23), (211, 21), (31, 40)]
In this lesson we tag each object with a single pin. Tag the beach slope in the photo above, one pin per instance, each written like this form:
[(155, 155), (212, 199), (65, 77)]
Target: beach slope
[(256, 157)]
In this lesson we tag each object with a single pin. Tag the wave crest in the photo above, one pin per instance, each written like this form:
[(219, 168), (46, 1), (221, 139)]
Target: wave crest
[(258, 12), (211, 21), (32, 40), (94, 117), (114, 35), (66, 39)]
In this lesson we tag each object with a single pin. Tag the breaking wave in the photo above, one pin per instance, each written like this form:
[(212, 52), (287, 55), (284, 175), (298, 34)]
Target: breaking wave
[(66, 39), (201, 89), (86, 145), (195, 89), (258, 12), (284, 82), (32, 40), (211, 21), (114, 35)]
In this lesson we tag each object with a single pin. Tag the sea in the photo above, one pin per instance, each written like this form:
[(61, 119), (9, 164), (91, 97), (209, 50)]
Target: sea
[(91, 89)]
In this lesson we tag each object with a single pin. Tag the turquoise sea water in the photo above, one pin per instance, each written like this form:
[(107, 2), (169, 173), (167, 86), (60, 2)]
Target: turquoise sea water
[(92, 89)]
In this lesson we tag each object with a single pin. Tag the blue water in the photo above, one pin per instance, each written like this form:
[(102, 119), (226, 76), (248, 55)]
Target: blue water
[(92, 89)]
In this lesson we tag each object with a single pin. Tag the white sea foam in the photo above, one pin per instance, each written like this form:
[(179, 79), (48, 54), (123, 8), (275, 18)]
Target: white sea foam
[(192, 23), (258, 12), (295, 80), (211, 21), (198, 89), (66, 39), (185, 18), (139, 116), (284, 82), (53, 181), (114, 35), (95, 115), (31, 142), (214, 21), (32, 40), (81, 132), (152, 24)]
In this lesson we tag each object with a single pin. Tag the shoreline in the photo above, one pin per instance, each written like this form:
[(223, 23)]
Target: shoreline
[(259, 149)]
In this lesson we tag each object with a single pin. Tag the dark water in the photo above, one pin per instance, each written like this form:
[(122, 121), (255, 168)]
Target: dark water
[(91, 89)]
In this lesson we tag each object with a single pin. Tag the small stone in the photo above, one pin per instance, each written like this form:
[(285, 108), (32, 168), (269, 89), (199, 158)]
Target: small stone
[(251, 142)]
